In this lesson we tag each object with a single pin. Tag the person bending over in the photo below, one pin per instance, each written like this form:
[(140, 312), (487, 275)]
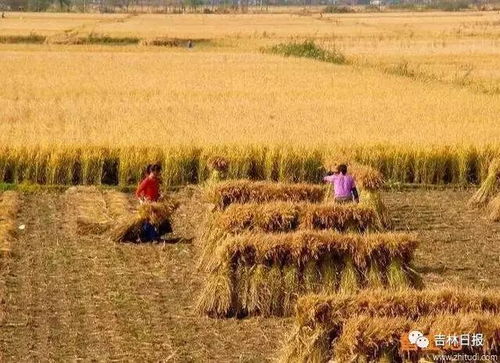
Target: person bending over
[(344, 187), (148, 191)]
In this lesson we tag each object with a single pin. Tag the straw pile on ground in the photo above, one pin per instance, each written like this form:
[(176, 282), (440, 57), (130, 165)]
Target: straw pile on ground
[(286, 217), (86, 209), (263, 274), (321, 319), (378, 339), (245, 191), (128, 229), (9, 206)]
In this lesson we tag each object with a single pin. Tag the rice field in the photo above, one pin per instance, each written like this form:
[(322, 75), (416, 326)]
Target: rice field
[(262, 265), (417, 99)]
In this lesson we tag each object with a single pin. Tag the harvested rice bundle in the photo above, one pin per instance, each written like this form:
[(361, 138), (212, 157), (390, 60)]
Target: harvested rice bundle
[(245, 191), (218, 167), (321, 318), (304, 262), (373, 200), (128, 230), (372, 339), (489, 187), (284, 217), (368, 178), (86, 209), (494, 209), (267, 217), (9, 206), (341, 217)]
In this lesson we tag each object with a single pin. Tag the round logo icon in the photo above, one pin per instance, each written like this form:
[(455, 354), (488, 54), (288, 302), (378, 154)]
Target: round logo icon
[(422, 342), (414, 335)]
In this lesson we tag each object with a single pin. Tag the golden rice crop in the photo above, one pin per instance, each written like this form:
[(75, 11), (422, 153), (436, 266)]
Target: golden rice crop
[(246, 191), (320, 319), (310, 260), (375, 338), (9, 206)]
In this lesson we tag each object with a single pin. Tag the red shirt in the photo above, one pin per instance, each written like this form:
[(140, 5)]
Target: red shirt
[(149, 189)]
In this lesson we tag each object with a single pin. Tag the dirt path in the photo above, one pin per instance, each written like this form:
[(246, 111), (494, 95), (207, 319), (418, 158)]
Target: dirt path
[(82, 297)]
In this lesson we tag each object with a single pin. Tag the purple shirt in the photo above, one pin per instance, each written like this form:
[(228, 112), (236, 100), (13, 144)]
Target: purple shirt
[(342, 184)]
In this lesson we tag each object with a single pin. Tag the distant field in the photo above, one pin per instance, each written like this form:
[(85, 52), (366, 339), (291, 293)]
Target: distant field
[(413, 81)]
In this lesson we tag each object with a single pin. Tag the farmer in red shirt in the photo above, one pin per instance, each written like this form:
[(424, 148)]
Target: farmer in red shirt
[(149, 189)]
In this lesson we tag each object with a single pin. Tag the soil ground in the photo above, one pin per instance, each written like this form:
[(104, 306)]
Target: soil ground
[(69, 297)]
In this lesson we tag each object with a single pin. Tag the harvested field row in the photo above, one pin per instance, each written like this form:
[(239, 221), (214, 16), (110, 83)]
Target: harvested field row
[(263, 274), (91, 211), (124, 166), (9, 206), (320, 319)]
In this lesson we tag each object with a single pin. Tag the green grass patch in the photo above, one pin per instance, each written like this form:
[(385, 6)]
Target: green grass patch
[(308, 49)]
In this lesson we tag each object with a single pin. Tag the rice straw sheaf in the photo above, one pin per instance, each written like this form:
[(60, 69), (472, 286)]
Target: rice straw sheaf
[(313, 310), (284, 217), (367, 338), (87, 209), (321, 318), (302, 246), (494, 209), (245, 191), (302, 262), (489, 187), (9, 206), (128, 229)]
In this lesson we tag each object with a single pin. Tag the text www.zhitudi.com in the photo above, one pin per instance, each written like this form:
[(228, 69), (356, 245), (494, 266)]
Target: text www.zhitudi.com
[(465, 357)]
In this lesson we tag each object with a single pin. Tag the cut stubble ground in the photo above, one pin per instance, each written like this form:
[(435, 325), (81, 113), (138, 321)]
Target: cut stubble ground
[(74, 296)]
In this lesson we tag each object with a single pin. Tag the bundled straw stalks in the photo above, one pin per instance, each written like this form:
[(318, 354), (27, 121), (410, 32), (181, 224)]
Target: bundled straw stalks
[(369, 339), (286, 217), (322, 318), (245, 191), (489, 187), (218, 167), (128, 229), (9, 206), (304, 262)]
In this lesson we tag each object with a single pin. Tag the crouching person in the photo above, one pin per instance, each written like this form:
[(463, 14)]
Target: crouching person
[(156, 215), (343, 184)]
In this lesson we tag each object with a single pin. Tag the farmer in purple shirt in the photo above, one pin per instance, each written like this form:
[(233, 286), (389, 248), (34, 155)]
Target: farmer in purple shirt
[(344, 187)]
